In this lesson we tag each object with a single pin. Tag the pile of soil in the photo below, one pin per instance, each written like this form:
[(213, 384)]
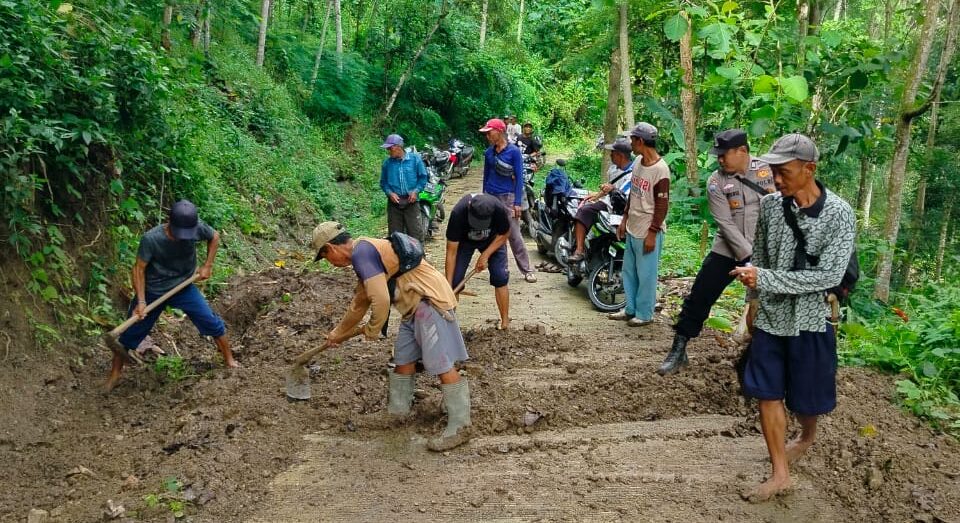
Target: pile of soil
[(212, 441)]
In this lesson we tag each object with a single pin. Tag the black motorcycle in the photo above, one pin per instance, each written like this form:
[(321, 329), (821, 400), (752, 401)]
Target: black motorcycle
[(528, 223), (438, 160), (602, 263)]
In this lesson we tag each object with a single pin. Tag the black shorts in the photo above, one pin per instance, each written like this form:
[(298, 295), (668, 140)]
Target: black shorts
[(587, 213), (799, 369)]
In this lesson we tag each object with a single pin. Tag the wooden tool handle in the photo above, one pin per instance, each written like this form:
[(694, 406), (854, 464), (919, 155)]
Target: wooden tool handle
[(458, 288), (308, 355), (156, 303)]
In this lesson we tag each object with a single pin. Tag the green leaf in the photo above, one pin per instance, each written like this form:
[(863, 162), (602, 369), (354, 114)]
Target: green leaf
[(795, 87), (729, 6), (765, 112), (699, 11), (831, 38), (5, 61), (764, 84), (116, 186), (86, 137), (859, 80), (675, 27), (719, 323), (49, 293), (729, 72), (719, 34), (929, 369)]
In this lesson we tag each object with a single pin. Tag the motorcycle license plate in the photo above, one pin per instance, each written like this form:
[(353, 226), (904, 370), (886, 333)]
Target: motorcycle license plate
[(613, 251)]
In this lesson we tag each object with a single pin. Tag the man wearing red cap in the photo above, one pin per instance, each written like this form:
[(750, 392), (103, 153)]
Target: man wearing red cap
[(503, 178)]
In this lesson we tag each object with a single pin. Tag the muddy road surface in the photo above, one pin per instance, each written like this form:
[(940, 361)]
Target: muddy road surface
[(571, 423)]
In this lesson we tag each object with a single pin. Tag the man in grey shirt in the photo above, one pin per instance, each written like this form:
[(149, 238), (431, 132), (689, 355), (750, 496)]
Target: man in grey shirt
[(793, 355), (166, 257), (734, 192)]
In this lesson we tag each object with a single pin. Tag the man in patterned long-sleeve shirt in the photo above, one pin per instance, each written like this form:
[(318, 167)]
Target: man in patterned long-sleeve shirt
[(793, 355)]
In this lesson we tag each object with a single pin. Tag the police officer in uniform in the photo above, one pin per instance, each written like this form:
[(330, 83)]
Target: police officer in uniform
[(734, 192)]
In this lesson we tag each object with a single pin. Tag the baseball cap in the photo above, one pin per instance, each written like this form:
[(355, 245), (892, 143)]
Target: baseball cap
[(620, 145), (791, 147), (184, 220), (726, 140), (645, 131), (494, 124), (393, 139), (322, 235), (480, 211)]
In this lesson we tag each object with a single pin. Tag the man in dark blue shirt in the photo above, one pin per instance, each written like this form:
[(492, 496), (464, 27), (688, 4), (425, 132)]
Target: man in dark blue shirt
[(402, 177), (503, 178)]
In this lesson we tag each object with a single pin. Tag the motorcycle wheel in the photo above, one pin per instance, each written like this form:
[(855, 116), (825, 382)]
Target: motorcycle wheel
[(527, 225), (425, 222), (561, 246), (605, 286), (543, 247), (441, 213)]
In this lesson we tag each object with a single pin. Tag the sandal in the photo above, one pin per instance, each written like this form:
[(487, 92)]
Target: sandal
[(530, 277)]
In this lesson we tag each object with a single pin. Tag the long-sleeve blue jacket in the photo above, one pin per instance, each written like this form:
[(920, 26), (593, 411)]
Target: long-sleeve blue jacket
[(403, 176), (503, 181)]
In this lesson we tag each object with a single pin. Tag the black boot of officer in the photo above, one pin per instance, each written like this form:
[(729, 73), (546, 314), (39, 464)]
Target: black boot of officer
[(677, 357)]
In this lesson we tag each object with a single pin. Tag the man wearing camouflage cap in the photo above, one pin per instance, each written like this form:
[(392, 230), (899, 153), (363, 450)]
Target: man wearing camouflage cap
[(792, 357)]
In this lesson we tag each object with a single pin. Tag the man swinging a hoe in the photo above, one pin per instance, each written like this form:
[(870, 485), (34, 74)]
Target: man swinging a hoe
[(429, 330)]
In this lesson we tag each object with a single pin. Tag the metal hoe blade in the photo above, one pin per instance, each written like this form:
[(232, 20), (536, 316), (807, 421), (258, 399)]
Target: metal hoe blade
[(298, 383)]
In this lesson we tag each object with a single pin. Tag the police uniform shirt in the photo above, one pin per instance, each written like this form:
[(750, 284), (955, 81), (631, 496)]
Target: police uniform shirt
[(736, 207)]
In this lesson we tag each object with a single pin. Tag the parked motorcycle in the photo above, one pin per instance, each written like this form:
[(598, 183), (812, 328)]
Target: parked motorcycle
[(528, 223), (551, 218), (439, 160), (602, 263), (461, 155), (431, 198)]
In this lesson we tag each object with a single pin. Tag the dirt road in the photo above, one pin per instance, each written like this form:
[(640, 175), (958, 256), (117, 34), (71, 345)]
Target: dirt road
[(614, 442), (617, 443)]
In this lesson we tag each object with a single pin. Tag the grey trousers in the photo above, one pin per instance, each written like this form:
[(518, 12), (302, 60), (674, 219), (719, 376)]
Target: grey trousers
[(517, 247), (405, 220)]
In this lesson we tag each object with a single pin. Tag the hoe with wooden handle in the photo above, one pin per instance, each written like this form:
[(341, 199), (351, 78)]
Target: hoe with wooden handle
[(111, 338)]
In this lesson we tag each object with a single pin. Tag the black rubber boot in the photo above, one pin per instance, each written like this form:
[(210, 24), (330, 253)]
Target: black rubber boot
[(677, 357)]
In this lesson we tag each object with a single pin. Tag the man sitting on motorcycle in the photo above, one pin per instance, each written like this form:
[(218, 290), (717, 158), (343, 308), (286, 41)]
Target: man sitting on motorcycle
[(618, 178)]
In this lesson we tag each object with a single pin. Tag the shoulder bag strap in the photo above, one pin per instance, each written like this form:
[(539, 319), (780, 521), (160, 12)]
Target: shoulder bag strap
[(800, 256), (753, 185)]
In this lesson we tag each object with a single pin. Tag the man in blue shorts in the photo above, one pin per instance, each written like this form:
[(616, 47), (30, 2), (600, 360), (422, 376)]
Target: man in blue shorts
[(479, 222), (793, 356), (166, 257), (429, 330)]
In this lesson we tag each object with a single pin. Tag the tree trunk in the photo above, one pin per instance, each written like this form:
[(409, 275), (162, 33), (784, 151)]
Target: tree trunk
[(838, 11), (262, 39), (413, 62), (626, 79), (196, 31), (942, 244), (339, 22), (483, 23), (803, 15), (864, 189), (688, 106), (165, 32), (889, 8), (207, 18), (520, 22), (323, 41), (898, 166), (868, 204), (610, 118), (916, 230)]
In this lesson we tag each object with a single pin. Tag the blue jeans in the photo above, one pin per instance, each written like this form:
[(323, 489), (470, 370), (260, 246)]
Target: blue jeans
[(640, 277), (190, 301)]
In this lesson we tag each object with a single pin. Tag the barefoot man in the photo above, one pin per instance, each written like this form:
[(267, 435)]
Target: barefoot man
[(167, 256), (793, 355)]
